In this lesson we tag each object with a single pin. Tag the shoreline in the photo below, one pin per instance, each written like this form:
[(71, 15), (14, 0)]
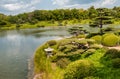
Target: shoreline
[(30, 68), (31, 73)]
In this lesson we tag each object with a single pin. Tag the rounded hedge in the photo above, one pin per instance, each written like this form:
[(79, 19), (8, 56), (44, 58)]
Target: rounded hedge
[(97, 38), (79, 70), (116, 63), (111, 40), (112, 53), (52, 42), (63, 62)]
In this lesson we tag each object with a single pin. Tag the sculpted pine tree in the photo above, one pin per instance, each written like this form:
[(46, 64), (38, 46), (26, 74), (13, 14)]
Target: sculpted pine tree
[(102, 19)]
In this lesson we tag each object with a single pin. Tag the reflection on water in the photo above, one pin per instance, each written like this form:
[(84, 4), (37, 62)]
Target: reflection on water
[(16, 47)]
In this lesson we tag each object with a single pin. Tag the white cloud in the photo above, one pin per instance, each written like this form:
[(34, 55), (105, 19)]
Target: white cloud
[(12, 7), (60, 2), (15, 5), (98, 3), (108, 2)]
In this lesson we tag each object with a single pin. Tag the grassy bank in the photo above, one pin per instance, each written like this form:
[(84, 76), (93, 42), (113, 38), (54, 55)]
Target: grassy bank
[(51, 23)]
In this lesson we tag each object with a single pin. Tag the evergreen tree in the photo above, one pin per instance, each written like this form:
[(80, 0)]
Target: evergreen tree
[(104, 17)]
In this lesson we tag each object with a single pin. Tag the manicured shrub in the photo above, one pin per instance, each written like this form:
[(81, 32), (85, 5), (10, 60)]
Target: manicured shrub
[(112, 53), (81, 36), (62, 48), (73, 56), (92, 77), (97, 38), (69, 48), (107, 34), (79, 70), (95, 46), (116, 63), (89, 52), (52, 42), (63, 62), (111, 40), (83, 41), (90, 41)]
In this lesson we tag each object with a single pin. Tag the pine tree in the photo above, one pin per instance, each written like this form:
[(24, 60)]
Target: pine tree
[(102, 19)]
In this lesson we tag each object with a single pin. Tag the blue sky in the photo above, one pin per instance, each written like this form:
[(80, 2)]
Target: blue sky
[(12, 7)]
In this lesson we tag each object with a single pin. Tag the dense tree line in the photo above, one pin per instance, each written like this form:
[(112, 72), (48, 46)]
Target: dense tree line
[(56, 15)]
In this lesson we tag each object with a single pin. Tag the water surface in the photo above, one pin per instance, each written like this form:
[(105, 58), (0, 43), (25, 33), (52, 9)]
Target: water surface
[(17, 46)]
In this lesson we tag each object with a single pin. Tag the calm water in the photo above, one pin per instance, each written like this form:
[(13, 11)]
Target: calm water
[(17, 46)]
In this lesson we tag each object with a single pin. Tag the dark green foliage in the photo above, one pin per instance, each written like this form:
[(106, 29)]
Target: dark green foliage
[(51, 42), (63, 62), (108, 29), (116, 63), (79, 70), (74, 56), (91, 35), (112, 53)]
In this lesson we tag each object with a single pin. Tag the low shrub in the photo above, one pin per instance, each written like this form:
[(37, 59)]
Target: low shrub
[(70, 48), (91, 77), (110, 40), (63, 62), (81, 36), (116, 63), (52, 42), (83, 42), (107, 34), (112, 53), (89, 52), (79, 70), (62, 48), (73, 56), (95, 46), (97, 38), (91, 41)]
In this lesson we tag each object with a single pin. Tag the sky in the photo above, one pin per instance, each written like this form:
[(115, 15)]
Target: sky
[(12, 7)]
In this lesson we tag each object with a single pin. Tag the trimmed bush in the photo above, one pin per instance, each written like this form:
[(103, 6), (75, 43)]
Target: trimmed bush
[(112, 53), (107, 34), (62, 48), (97, 38), (95, 46), (89, 52), (63, 62), (70, 48), (79, 70), (110, 40), (116, 63), (81, 36), (90, 41), (52, 42), (92, 77)]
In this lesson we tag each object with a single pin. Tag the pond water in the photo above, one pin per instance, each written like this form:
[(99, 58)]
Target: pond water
[(17, 46)]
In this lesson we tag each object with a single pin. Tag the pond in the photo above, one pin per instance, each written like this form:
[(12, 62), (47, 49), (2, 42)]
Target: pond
[(18, 46)]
